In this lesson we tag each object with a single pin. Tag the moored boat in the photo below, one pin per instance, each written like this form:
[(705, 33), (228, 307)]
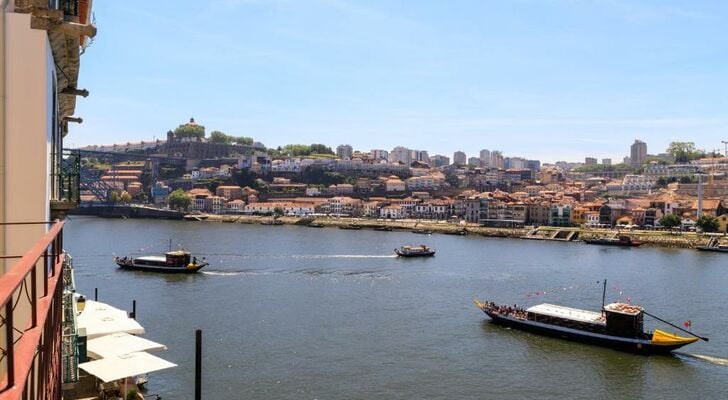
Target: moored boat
[(422, 231), (461, 232), (315, 225), (623, 240), (415, 251), (350, 226), (271, 222), (179, 261), (714, 245), (383, 228), (619, 326)]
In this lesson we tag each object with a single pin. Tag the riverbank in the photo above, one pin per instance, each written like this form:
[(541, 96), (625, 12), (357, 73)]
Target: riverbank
[(649, 238)]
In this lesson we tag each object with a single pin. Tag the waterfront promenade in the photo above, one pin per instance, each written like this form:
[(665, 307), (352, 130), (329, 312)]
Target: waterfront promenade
[(650, 238)]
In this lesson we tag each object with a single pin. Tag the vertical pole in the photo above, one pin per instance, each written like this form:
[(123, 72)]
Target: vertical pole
[(604, 294), (198, 364), (96, 294), (133, 309), (10, 352)]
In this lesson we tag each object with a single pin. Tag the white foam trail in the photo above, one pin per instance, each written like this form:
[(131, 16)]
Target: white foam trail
[(220, 273), (710, 359)]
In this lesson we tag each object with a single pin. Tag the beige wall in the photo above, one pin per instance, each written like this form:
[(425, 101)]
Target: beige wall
[(30, 81)]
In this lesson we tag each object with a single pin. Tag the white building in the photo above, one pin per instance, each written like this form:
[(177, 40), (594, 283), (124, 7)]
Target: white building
[(377, 154), (344, 151), (400, 154)]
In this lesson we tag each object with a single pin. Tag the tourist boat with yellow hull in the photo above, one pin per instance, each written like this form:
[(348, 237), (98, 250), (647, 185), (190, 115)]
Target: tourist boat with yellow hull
[(179, 261), (619, 326)]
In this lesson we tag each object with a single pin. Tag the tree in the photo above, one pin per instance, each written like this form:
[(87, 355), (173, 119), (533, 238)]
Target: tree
[(670, 221), (190, 130), (125, 197), (294, 150), (179, 200), (278, 212), (685, 179), (683, 151), (317, 148), (244, 140), (707, 223), (220, 137), (115, 197)]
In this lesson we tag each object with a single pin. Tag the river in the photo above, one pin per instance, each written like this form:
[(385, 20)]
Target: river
[(291, 312)]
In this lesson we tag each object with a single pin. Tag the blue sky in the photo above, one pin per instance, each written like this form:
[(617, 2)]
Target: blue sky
[(546, 79)]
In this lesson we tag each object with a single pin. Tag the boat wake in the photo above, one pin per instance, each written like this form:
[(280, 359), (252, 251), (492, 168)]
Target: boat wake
[(709, 359), (318, 256), (222, 273)]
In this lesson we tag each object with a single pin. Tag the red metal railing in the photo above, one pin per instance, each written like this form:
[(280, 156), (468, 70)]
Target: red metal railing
[(31, 313)]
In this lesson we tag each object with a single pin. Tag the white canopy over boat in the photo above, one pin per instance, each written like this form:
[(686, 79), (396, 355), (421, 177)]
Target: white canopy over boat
[(125, 365), (100, 319), (120, 343), (566, 312)]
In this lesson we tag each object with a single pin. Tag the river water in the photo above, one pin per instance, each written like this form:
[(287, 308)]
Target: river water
[(291, 312)]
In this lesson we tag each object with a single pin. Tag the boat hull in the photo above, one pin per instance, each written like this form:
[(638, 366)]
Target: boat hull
[(613, 243), (631, 345), (422, 254), (715, 249), (160, 268)]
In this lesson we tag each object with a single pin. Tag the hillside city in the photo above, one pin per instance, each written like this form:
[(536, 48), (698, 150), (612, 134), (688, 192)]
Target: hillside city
[(681, 187)]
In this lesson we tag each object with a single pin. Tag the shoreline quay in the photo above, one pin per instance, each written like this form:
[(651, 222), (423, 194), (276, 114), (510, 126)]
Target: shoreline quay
[(649, 238)]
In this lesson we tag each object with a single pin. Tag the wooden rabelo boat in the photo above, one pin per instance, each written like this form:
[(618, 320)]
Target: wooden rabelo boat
[(619, 326), (415, 251), (179, 261), (623, 240)]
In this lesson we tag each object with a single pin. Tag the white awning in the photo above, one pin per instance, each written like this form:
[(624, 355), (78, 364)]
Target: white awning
[(100, 319), (125, 365), (120, 343)]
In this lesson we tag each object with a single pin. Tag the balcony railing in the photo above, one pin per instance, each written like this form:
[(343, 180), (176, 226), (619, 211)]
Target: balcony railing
[(31, 315)]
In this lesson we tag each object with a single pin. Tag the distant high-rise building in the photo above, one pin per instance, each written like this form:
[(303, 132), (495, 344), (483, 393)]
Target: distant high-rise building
[(485, 158), (474, 161), (377, 154), (438, 160), (459, 158), (606, 161), (515, 163), (344, 151), (533, 165), (422, 156), (625, 160), (400, 154), (590, 161), (496, 160), (638, 153)]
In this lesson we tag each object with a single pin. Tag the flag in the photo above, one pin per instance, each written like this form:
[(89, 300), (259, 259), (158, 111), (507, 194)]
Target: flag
[(688, 324)]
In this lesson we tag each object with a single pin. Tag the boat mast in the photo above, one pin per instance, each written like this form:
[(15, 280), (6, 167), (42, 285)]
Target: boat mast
[(604, 294), (675, 326), (170, 244)]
